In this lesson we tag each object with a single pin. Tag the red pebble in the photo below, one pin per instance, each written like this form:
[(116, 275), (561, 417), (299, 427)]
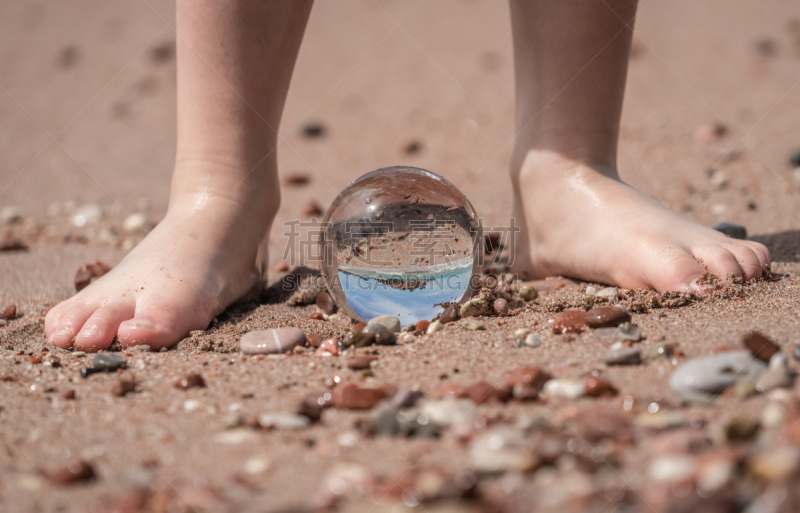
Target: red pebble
[(10, 312), (571, 321), (422, 325), (534, 377), (597, 386), (315, 316), (353, 397), (482, 392), (360, 326), (76, 471), (314, 340), (328, 347), (35, 359)]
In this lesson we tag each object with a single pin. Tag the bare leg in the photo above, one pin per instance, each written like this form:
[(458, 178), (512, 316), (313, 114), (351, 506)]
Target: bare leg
[(578, 219), (235, 61)]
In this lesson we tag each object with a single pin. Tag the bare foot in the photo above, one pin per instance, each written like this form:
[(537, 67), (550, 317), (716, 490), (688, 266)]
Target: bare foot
[(202, 257), (582, 221)]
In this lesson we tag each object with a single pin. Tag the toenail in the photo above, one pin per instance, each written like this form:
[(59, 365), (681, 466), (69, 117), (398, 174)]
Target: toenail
[(65, 331), (89, 332), (140, 322), (701, 288)]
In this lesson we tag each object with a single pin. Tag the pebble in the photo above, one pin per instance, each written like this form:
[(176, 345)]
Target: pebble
[(528, 292), (314, 340), (387, 338), (271, 341), (88, 272), (672, 468), (779, 360), (666, 419), (591, 291), (312, 209), (69, 394), (564, 388), (474, 307), (601, 420), (329, 347), (623, 356), (123, 387), (281, 420), (741, 429), (434, 327), (608, 292), (391, 322), (775, 465), (10, 312), (700, 379), (571, 321), (745, 388), (532, 340), (359, 338), (87, 214), (353, 397), (710, 132), (406, 338), (531, 376), (760, 346), (314, 130), (385, 421), (78, 354), (374, 328), (521, 332), (774, 378), (136, 223), (659, 350), (297, 179), (449, 314), (75, 471), (472, 325), (628, 331), (108, 362), (500, 306), (502, 449), (190, 381), (316, 316), (598, 386), (734, 231), (406, 398), (482, 392), (191, 405), (10, 215), (448, 412), (422, 326), (607, 316), (359, 362), (325, 303)]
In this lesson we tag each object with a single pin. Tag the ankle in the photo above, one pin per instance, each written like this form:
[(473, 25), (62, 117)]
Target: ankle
[(547, 164)]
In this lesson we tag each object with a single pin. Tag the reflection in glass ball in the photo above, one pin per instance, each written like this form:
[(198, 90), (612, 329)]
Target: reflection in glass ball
[(400, 241)]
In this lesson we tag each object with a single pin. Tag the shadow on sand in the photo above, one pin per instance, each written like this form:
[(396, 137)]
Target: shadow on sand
[(783, 246)]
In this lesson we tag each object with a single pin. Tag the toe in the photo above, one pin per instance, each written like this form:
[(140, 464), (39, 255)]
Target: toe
[(749, 263), (763, 254), (677, 271), (719, 261), (66, 325), (160, 324), (100, 329)]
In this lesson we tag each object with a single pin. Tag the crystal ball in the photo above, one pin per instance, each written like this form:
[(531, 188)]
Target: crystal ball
[(400, 241)]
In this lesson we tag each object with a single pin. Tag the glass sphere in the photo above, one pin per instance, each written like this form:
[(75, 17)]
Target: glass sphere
[(400, 241)]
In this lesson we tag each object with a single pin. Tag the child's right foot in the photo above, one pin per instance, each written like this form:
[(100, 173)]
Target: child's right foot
[(202, 257)]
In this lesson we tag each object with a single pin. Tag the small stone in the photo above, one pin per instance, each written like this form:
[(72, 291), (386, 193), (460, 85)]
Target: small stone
[(35, 360), (78, 354), (530, 376), (329, 347), (234, 420), (87, 273), (422, 326), (659, 350), (390, 322), (448, 412), (87, 214), (709, 133), (564, 388), (359, 362), (325, 303), (607, 316), (123, 387), (449, 314), (75, 471), (136, 223), (502, 449), (353, 397), (55, 362), (190, 381), (760, 346), (532, 340), (472, 325), (406, 338), (69, 394), (297, 179), (313, 209), (741, 429), (482, 392), (313, 340), (779, 360), (601, 420), (387, 338), (734, 231), (108, 362), (775, 465), (385, 422), (271, 341), (774, 378), (10, 312), (597, 386), (191, 405), (521, 332), (359, 338), (434, 327), (623, 356), (628, 331), (528, 292), (745, 388), (474, 307), (280, 420), (666, 419), (671, 468), (406, 398), (500, 306), (10, 215), (314, 130), (608, 292), (591, 291), (571, 321), (316, 316), (700, 379)]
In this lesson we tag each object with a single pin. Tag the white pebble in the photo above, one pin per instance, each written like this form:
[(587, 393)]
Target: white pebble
[(191, 405), (256, 465), (591, 291), (672, 467), (87, 214), (522, 333), (564, 388), (136, 223), (434, 327), (532, 340)]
